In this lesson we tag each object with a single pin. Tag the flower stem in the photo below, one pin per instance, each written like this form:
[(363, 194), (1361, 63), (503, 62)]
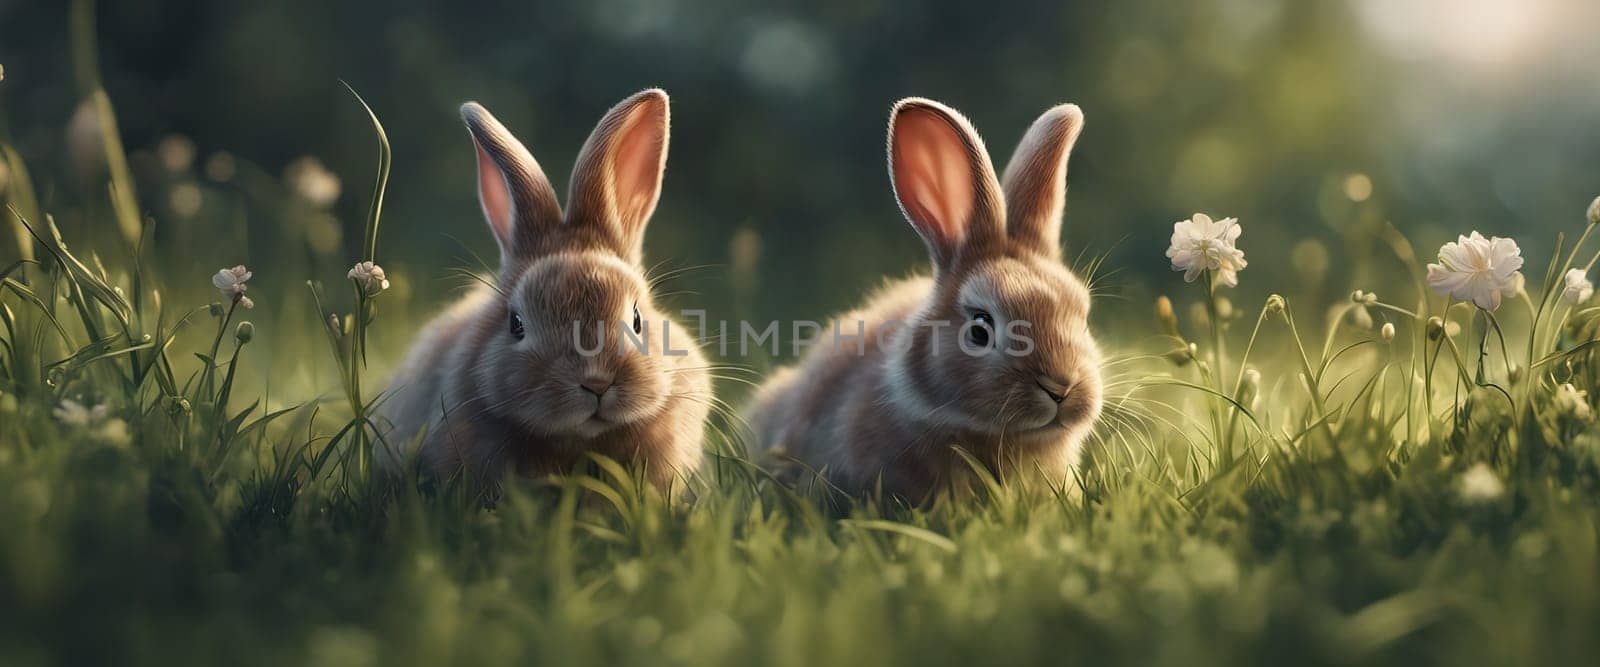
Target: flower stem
[(209, 380), (1224, 438)]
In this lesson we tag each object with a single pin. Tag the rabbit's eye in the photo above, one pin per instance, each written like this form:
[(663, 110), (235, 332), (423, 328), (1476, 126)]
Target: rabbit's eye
[(516, 326), (638, 322), (982, 325)]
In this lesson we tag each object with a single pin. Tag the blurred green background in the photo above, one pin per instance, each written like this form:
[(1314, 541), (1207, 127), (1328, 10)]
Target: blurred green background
[(1313, 122)]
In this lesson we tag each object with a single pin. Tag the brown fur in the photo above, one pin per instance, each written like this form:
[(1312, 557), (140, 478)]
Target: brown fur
[(892, 414), (474, 398)]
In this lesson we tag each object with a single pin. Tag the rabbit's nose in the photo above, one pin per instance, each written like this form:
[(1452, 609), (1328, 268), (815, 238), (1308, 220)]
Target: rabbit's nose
[(1055, 389), (596, 385)]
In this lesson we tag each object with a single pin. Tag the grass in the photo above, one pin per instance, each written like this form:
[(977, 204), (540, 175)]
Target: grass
[(1323, 496)]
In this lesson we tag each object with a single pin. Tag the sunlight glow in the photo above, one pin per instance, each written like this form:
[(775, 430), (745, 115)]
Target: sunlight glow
[(1471, 32)]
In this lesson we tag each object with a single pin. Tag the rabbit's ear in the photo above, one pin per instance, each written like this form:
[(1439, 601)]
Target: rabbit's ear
[(517, 198), (1036, 180), (943, 180), (617, 180)]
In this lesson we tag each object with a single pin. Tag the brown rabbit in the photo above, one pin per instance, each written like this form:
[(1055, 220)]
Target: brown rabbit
[(503, 380), (992, 353)]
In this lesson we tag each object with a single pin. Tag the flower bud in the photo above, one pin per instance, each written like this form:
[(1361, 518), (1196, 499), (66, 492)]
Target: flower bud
[(1275, 304), (1224, 308), (1360, 317), (216, 309), (333, 324), (1249, 387), (1357, 296), (1594, 212), (1435, 328), (245, 333), (1388, 331), (369, 278), (1370, 298), (1165, 315), (1515, 374)]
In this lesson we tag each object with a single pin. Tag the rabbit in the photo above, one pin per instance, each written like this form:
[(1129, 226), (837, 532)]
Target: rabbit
[(1013, 376), (503, 381)]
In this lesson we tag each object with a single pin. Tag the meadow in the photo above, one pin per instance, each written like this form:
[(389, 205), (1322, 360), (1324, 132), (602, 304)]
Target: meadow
[(1399, 476)]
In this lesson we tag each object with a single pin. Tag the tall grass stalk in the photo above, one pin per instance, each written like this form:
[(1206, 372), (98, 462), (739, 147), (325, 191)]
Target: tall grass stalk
[(124, 202), (347, 337)]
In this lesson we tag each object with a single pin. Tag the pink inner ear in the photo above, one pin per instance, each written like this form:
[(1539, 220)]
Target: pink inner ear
[(933, 176), (495, 196), (636, 164)]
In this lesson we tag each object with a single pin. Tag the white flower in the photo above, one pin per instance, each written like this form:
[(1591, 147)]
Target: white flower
[(312, 181), (1201, 244), (96, 422), (1578, 289), (1387, 331), (1479, 484), (1477, 269), (1572, 402), (231, 282), (73, 413), (370, 277), (246, 302), (1594, 211)]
